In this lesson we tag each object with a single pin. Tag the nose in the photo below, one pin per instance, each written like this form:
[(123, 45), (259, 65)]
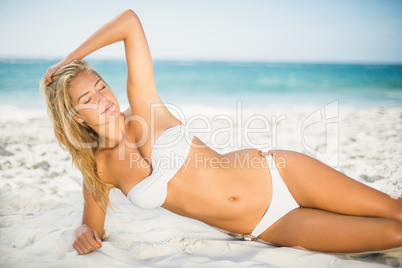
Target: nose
[(101, 98)]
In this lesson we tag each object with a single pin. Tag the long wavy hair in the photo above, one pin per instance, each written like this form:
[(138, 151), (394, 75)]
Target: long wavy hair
[(79, 139)]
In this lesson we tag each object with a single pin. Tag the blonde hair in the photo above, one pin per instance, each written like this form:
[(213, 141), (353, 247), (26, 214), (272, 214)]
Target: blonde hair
[(79, 139)]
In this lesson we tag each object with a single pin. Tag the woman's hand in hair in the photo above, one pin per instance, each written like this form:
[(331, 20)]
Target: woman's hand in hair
[(86, 239), (54, 68)]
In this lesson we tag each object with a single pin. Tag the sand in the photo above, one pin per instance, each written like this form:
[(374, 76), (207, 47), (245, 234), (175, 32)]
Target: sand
[(41, 201)]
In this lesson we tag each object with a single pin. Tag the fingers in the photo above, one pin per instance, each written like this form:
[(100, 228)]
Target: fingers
[(81, 250), (98, 238), (87, 242), (90, 240), (54, 68), (49, 74)]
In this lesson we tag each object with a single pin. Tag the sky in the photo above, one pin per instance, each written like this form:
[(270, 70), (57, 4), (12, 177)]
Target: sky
[(357, 31)]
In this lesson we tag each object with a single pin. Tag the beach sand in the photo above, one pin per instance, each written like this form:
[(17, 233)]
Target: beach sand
[(41, 201)]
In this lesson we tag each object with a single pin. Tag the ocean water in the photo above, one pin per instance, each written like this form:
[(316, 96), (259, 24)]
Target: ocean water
[(221, 84)]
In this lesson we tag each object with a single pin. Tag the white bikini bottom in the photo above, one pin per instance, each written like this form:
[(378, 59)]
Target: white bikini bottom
[(282, 202)]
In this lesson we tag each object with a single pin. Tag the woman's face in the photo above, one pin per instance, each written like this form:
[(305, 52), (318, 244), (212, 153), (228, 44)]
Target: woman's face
[(94, 101)]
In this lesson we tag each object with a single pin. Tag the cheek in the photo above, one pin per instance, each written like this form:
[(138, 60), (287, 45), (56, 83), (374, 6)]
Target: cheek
[(89, 114), (111, 96)]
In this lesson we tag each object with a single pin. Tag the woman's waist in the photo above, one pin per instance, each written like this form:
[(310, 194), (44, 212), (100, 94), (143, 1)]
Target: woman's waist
[(236, 207), (228, 186)]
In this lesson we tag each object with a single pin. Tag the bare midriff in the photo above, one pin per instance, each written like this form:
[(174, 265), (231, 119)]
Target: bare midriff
[(230, 191)]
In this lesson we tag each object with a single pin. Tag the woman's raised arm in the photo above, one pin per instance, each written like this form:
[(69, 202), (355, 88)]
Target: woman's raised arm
[(125, 27)]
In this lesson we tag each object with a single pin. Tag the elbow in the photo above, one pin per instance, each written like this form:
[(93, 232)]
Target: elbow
[(130, 14), (130, 19)]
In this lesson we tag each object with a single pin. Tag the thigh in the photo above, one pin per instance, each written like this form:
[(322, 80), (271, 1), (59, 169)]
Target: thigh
[(316, 185), (325, 231)]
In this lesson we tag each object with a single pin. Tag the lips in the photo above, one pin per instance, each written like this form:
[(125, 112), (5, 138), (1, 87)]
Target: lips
[(108, 108)]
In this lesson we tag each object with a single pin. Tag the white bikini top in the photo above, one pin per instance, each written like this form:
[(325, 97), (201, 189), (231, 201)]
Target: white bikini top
[(168, 155)]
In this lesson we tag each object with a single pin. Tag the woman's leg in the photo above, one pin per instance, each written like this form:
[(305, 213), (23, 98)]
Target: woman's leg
[(330, 232), (316, 185)]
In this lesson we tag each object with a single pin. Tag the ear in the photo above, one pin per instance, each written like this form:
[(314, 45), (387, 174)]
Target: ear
[(78, 119)]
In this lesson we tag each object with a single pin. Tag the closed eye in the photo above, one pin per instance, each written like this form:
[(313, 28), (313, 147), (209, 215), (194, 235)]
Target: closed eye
[(102, 88)]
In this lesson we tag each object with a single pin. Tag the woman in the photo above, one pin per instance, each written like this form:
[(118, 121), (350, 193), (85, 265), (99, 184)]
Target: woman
[(280, 197)]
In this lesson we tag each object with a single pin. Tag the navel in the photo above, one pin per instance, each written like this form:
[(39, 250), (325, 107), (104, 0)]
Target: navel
[(232, 199)]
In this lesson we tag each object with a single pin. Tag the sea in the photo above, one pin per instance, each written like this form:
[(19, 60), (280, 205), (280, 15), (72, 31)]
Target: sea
[(218, 84)]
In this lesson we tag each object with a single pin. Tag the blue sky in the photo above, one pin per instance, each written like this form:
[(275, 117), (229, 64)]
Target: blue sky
[(257, 30)]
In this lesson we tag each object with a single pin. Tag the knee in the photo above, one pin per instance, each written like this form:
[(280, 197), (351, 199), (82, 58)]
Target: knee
[(396, 210), (394, 234), (399, 211)]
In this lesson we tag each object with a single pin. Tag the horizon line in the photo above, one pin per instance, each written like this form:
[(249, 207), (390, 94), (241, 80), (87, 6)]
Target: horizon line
[(223, 60)]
